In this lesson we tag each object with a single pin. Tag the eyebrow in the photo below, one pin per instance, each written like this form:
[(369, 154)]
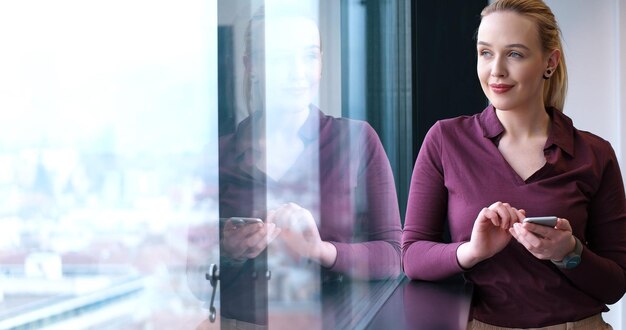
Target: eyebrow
[(507, 46)]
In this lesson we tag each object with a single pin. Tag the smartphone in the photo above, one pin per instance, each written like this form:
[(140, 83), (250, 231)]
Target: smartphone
[(241, 221), (544, 221)]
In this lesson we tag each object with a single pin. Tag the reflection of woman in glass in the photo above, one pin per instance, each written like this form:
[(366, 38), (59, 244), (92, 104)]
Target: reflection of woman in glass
[(520, 157), (322, 185)]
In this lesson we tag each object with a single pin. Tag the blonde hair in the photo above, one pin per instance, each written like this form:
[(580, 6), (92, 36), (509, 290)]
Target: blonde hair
[(555, 88)]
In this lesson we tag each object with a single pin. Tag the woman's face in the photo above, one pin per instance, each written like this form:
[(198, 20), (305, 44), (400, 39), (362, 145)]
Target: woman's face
[(511, 62), (291, 62)]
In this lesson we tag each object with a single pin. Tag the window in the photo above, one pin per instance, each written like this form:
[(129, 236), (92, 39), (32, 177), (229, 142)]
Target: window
[(112, 177)]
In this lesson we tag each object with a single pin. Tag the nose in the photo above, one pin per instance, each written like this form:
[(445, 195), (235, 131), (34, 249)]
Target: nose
[(297, 68), (498, 68)]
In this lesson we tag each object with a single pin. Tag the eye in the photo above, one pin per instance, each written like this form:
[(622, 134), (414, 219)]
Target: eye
[(312, 55), (516, 55), (484, 53)]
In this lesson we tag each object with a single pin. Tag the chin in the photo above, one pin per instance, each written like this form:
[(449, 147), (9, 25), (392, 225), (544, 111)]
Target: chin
[(501, 104), (286, 108)]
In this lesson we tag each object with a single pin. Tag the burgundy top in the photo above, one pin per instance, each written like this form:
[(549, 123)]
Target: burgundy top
[(459, 170), (352, 196)]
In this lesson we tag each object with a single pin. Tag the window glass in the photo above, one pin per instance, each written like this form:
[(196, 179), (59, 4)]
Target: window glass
[(203, 164), (108, 153)]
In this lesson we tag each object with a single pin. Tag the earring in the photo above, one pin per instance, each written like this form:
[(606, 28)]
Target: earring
[(549, 73)]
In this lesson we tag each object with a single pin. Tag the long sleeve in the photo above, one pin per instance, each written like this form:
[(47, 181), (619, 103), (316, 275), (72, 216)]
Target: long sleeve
[(376, 253), (602, 272), (425, 256)]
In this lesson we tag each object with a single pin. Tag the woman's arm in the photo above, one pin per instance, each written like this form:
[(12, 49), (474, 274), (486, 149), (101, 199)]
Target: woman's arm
[(424, 254), (377, 256), (602, 271)]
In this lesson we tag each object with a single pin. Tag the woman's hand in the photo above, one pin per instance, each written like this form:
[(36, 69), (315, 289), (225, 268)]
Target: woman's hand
[(490, 233), (300, 235), (247, 241), (545, 242)]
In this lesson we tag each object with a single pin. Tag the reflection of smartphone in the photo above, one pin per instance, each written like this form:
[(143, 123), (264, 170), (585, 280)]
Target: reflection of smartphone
[(544, 221), (240, 221)]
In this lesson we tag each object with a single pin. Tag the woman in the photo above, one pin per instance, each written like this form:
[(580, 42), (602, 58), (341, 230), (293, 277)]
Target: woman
[(323, 186), (521, 156)]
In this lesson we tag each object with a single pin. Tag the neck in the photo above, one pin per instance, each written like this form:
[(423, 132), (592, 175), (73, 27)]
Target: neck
[(286, 123), (527, 123)]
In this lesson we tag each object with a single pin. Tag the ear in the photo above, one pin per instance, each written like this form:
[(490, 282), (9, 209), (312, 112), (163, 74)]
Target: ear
[(553, 59)]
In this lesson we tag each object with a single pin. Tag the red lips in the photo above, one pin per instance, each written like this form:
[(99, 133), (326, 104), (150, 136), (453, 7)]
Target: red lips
[(500, 88)]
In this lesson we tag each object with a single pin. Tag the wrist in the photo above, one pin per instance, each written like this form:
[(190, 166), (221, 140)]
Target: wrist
[(327, 254), (572, 259), (572, 248), (465, 256)]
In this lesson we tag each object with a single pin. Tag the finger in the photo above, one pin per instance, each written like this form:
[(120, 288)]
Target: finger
[(563, 224), (248, 230), (300, 219), (510, 218), (293, 205), (531, 238), (283, 214), (490, 215), (520, 215), (271, 214), (495, 205), (272, 232), (255, 245), (305, 220), (229, 226), (257, 235), (520, 235), (513, 233), (279, 216), (539, 230), (504, 212), (495, 218)]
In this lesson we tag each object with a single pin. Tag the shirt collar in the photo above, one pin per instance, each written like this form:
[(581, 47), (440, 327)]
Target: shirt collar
[(311, 128), (561, 132), (250, 130)]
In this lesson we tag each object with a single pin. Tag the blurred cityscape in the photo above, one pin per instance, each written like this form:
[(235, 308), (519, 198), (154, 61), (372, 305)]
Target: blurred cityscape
[(99, 233), (103, 241)]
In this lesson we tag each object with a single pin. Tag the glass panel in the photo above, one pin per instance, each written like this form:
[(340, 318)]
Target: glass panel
[(322, 247), (140, 141), (108, 153)]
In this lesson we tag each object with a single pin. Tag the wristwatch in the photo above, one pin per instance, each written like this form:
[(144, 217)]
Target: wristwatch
[(573, 259)]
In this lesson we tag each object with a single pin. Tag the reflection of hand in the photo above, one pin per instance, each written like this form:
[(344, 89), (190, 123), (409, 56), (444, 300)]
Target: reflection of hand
[(546, 242), (300, 234), (490, 233), (247, 241)]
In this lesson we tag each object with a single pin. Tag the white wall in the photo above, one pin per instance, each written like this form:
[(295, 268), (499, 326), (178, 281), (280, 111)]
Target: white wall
[(592, 49), (595, 49)]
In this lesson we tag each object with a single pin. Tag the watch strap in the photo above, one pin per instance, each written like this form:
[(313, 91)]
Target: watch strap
[(573, 259)]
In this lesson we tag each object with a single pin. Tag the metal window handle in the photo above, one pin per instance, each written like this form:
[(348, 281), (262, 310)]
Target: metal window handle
[(213, 276)]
